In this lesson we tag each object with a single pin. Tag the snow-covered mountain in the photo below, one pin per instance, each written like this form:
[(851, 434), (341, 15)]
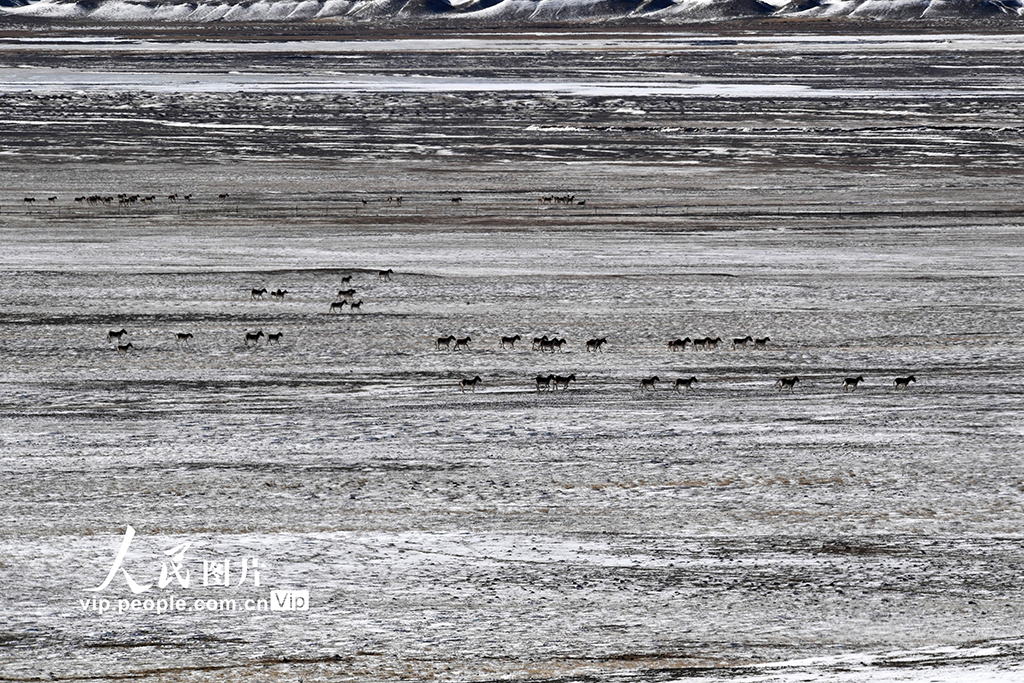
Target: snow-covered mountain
[(506, 10)]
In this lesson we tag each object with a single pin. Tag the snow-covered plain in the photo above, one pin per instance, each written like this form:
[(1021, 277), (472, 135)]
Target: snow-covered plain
[(731, 532), (510, 12)]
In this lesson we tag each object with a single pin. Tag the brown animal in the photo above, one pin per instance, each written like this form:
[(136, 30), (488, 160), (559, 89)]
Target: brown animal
[(903, 382), (678, 344), (739, 343), (544, 381), (563, 382), (688, 383), (787, 383), (471, 383)]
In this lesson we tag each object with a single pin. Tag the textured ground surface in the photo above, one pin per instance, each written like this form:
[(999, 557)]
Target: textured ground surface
[(857, 200), (516, 13)]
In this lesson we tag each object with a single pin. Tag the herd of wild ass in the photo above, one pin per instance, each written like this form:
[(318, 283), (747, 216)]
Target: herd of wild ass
[(127, 200), (543, 344)]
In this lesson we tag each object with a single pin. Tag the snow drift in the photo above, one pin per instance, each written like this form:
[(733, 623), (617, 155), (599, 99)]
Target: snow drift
[(504, 10)]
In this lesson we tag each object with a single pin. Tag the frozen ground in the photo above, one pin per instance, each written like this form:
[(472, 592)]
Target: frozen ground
[(513, 12), (870, 226)]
